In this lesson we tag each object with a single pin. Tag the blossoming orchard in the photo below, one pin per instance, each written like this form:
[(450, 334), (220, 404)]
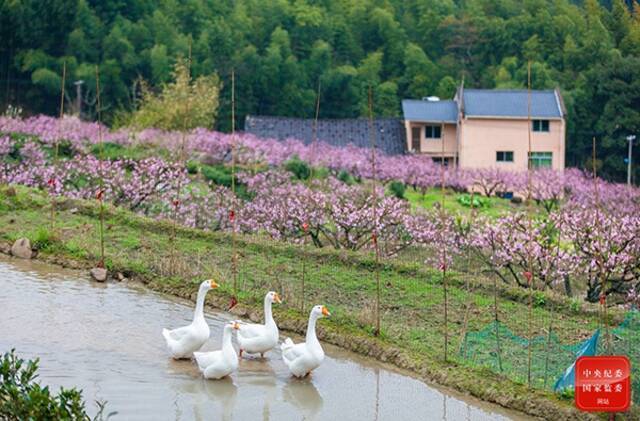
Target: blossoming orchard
[(583, 234)]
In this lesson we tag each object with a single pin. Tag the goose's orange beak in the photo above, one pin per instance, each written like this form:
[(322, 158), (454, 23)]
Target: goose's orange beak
[(236, 326), (213, 283), (325, 312), (277, 299)]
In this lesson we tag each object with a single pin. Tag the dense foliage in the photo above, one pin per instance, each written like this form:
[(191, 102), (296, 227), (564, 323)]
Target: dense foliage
[(582, 231), (21, 398), (282, 49)]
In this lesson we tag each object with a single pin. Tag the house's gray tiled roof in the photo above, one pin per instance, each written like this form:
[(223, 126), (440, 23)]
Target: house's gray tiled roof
[(510, 103), (389, 131), (430, 111)]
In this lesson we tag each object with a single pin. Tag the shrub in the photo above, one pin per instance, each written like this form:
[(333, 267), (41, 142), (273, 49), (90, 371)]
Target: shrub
[(397, 188), (478, 201), (192, 167), (218, 174), (43, 239), (21, 398), (108, 151), (346, 178), (300, 169)]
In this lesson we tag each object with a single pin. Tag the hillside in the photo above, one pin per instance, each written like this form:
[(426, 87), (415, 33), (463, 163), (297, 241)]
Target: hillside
[(281, 50)]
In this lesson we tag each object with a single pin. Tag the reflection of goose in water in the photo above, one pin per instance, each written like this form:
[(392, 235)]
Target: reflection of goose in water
[(303, 395), (259, 375), (222, 393)]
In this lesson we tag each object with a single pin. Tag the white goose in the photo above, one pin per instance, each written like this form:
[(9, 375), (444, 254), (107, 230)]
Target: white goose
[(184, 340), (257, 338), (221, 363), (304, 357)]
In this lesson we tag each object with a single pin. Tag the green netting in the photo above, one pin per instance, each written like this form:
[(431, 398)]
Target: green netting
[(625, 340), (499, 349), (496, 347)]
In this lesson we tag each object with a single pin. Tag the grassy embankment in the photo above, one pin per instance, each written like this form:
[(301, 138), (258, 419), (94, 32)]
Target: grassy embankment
[(412, 298)]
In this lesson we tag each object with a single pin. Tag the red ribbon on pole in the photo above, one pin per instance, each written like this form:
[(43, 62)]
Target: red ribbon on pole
[(305, 227), (176, 203), (51, 182), (232, 215), (529, 276), (100, 194), (603, 299)]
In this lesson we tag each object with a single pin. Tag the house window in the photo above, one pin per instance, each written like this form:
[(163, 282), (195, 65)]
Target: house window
[(540, 159), (416, 133), (540, 125), (504, 156), (433, 132)]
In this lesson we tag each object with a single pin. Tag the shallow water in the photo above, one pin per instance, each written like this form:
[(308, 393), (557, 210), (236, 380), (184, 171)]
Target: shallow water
[(106, 340)]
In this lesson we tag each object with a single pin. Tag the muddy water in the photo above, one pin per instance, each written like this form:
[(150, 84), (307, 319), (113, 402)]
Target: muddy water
[(106, 340)]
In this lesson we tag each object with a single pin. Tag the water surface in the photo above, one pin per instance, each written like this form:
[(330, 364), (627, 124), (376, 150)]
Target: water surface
[(106, 340)]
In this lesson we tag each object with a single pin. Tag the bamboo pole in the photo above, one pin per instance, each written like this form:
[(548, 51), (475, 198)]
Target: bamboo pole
[(232, 215), (443, 256), (52, 181), (529, 275), (100, 195), (374, 195), (604, 320), (182, 162), (463, 335), (306, 225), (552, 313)]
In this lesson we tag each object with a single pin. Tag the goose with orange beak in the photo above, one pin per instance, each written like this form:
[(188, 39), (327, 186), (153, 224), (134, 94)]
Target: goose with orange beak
[(183, 341), (218, 364), (305, 357), (260, 338)]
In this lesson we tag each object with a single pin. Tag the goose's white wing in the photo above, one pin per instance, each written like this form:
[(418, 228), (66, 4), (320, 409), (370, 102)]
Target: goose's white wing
[(249, 331), (205, 359), (291, 351), (177, 334)]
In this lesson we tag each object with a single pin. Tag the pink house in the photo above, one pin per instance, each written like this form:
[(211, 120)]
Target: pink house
[(482, 128)]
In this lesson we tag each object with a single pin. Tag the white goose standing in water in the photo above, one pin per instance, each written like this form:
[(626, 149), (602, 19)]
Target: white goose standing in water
[(221, 363), (304, 357), (183, 341), (257, 338)]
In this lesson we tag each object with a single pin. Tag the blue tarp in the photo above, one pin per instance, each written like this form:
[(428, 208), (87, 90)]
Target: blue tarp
[(588, 348)]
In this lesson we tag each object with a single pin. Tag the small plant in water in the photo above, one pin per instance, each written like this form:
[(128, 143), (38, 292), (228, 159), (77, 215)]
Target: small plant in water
[(22, 398)]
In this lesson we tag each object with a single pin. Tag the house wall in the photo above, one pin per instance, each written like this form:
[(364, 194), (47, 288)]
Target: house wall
[(433, 147), (480, 139)]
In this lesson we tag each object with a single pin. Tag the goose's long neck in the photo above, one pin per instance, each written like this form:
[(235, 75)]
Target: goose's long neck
[(268, 315), (311, 330), (199, 313), (226, 339)]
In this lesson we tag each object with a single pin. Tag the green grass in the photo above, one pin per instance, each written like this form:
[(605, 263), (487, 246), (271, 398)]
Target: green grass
[(114, 151), (433, 197)]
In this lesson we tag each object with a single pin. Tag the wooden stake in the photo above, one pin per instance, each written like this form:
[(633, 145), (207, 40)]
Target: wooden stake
[(52, 180), (443, 256), (234, 258), (530, 229), (600, 259), (100, 194), (182, 161), (374, 195), (314, 139)]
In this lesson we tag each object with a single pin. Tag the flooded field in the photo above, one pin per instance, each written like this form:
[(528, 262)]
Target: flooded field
[(106, 339)]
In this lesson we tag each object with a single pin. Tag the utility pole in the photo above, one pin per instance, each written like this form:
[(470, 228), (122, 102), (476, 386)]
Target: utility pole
[(78, 84), (630, 139)]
